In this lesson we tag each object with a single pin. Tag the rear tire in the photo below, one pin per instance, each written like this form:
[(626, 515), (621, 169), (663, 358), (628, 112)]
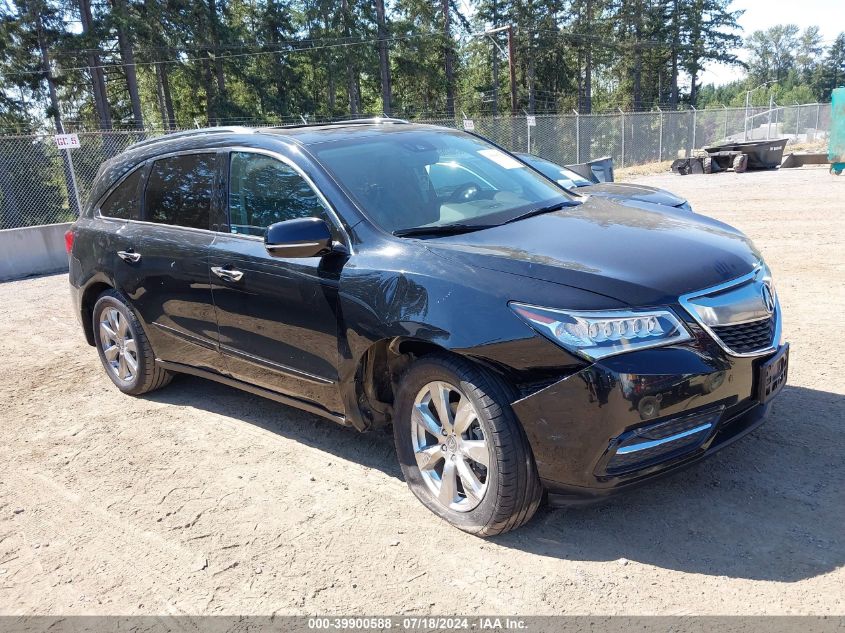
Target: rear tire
[(124, 349), (740, 163), (456, 485), (708, 165)]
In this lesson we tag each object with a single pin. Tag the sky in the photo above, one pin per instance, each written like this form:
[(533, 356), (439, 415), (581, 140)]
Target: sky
[(828, 15)]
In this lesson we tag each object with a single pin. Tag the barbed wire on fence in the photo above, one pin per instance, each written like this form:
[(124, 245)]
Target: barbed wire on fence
[(37, 180)]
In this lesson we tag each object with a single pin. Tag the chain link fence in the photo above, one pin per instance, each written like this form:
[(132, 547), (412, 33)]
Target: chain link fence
[(636, 138), (40, 184)]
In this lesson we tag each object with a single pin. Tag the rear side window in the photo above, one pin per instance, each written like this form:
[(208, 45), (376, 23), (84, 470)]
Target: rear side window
[(179, 190), (263, 191), (123, 202)]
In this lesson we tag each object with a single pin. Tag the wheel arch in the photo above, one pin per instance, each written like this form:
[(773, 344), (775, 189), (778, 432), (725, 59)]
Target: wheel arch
[(89, 297), (379, 370)]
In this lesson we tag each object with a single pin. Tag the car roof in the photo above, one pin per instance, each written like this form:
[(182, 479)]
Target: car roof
[(305, 134), (212, 138), (313, 135)]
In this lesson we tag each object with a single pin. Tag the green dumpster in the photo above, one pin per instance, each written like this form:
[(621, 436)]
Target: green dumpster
[(836, 148)]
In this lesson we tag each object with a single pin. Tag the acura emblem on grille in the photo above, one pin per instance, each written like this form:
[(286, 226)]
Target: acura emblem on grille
[(768, 299)]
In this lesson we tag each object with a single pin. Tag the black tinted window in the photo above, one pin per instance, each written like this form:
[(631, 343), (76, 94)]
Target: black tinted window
[(263, 191), (179, 190), (123, 201)]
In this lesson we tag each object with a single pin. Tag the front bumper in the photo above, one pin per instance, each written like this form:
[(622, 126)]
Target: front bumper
[(667, 407)]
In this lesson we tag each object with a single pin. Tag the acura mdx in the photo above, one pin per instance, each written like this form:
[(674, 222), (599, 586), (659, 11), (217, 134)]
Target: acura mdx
[(520, 341)]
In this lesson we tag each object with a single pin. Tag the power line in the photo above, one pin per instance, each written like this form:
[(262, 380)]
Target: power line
[(298, 49), (233, 56), (234, 47)]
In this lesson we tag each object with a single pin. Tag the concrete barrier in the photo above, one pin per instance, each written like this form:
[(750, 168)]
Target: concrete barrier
[(33, 250)]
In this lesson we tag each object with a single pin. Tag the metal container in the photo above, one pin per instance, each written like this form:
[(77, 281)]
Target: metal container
[(599, 170), (761, 154)]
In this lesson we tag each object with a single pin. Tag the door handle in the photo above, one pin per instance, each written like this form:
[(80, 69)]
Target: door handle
[(227, 274), (129, 256)]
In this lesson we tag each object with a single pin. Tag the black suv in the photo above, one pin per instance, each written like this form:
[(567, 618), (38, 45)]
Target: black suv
[(518, 339)]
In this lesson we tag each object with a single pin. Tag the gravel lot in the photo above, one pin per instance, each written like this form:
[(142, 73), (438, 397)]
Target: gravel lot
[(200, 499)]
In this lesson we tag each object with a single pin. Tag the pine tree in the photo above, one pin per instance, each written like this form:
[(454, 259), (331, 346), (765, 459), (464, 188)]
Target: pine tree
[(708, 36), (831, 72)]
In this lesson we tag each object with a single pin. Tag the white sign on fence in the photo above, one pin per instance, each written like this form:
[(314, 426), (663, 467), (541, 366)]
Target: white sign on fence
[(67, 141), (532, 120), (469, 126)]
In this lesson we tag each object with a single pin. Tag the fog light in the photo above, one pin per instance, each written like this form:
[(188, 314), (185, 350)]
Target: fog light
[(665, 440)]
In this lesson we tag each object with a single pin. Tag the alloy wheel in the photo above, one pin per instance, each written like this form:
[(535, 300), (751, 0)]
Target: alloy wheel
[(118, 344), (450, 447)]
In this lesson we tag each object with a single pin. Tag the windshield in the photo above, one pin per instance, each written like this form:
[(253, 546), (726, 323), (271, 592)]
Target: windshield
[(561, 175), (405, 179)]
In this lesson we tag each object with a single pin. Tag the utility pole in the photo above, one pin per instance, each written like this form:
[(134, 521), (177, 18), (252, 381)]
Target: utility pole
[(511, 60)]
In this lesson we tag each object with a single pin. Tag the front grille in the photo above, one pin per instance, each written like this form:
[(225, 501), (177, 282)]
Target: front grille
[(746, 338), (742, 315)]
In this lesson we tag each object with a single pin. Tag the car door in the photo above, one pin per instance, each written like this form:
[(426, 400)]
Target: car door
[(170, 246), (116, 231), (277, 317)]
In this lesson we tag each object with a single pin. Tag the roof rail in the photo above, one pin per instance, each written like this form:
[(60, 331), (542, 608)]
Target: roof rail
[(367, 121), (372, 119), (232, 129)]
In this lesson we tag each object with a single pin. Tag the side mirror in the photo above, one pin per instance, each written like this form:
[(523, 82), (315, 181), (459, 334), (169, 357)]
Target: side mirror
[(302, 237)]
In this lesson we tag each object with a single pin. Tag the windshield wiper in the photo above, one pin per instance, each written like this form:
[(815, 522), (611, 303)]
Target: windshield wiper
[(547, 209), (443, 229)]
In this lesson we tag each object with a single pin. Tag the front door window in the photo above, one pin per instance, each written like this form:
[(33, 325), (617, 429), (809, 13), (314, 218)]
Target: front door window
[(264, 190)]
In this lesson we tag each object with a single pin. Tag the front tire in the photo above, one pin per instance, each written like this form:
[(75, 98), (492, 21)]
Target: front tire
[(461, 449), (124, 349)]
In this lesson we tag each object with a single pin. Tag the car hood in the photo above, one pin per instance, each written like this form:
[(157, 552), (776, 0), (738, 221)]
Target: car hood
[(641, 193), (635, 253)]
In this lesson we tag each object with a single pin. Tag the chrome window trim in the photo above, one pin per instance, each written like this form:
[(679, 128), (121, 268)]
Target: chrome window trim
[(159, 224), (332, 212), (686, 299)]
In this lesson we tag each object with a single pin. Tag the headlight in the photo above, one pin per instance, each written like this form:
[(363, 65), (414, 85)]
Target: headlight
[(595, 335), (685, 206)]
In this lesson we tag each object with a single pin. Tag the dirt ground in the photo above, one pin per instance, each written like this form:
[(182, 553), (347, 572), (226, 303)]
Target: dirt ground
[(200, 499)]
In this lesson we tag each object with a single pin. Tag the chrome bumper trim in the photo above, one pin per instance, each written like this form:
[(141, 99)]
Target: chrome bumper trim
[(642, 446)]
